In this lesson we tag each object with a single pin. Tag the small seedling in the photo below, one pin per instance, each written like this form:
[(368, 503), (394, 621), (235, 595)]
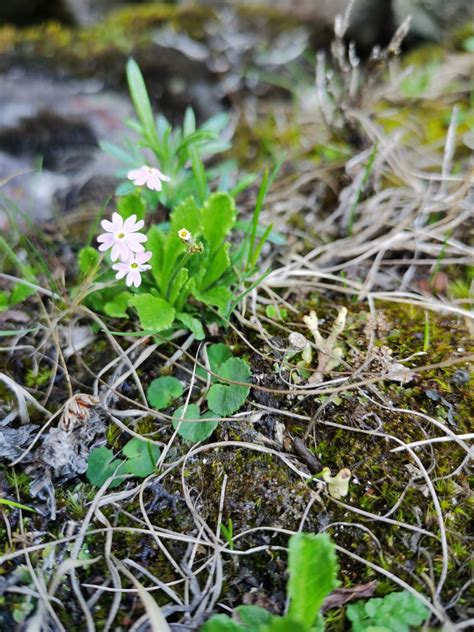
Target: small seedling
[(396, 612), (312, 569), (141, 460)]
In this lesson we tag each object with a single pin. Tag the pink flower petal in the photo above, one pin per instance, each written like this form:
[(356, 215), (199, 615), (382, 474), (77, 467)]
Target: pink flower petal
[(107, 240), (162, 176), (143, 257), (138, 176), (131, 225), (133, 242), (124, 250), (117, 222), (115, 254), (120, 273), (154, 183), (108, 226)]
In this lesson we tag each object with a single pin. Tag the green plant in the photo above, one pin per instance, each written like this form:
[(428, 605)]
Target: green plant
[(312, 569), (141, 458), (224, 397), (163, 391), (396, 612), (194, 269)]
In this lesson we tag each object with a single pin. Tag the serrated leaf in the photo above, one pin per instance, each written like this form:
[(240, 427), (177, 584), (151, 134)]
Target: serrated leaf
[(186, 215), (285, 624), (253, 616), (312, 567), (117, 307), (196, 430), (141, 456), (221, 623), (101, 465), (193, 324), (218, 218), (131, 204), (163, 391), (219, 297), (217, 354), (177, 285), (155, 314), (20, 293), (217, 265), (396, 612), (226, 399), (88, 258)]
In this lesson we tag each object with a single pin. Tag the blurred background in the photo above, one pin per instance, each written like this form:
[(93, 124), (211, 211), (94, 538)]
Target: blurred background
[(62, 86)]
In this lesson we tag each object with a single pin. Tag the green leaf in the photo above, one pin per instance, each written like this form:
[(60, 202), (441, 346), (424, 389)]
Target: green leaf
[(119, 153), (4, 301), (275, 312), (219, 297), (20, 293), (218, 354), (312, 567), (199, 173), (221, 623), (193, 324), (189, 124), (140, 99), (285, 624), (155, 314), (193, 430), (253, 616), (101, 465), (178, 284), (13, 503), (131, 204), (226, 399), (186, 215), (218, 218), (396, 612), (141, 456), (117, 307), (218, 263), (163, 391), (88, 258)]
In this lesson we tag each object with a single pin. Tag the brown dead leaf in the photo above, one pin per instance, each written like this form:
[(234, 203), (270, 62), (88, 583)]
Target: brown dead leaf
[(341, 596)]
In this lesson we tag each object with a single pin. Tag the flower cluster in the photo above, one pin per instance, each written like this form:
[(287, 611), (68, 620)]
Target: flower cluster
[(126, 244), (151, 177), (122, 236)]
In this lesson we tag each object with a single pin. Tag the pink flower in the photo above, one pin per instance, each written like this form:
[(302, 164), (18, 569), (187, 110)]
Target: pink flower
[(122, 236), (148, 176), (132, 268)]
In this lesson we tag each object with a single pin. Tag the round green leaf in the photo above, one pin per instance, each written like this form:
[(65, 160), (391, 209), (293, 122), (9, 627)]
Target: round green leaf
[(101, 465), (163, 391), (117, 307), (141, 456), (226, 399), (196, 430), (155, 314), (88, 258)]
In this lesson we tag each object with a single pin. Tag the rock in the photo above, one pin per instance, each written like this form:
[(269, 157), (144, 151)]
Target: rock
[(63, 143), (431, 19), (62, 121), (24, 12)]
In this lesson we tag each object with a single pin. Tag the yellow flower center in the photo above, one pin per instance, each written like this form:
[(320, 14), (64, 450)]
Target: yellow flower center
[(134, 265), (121, 235)]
